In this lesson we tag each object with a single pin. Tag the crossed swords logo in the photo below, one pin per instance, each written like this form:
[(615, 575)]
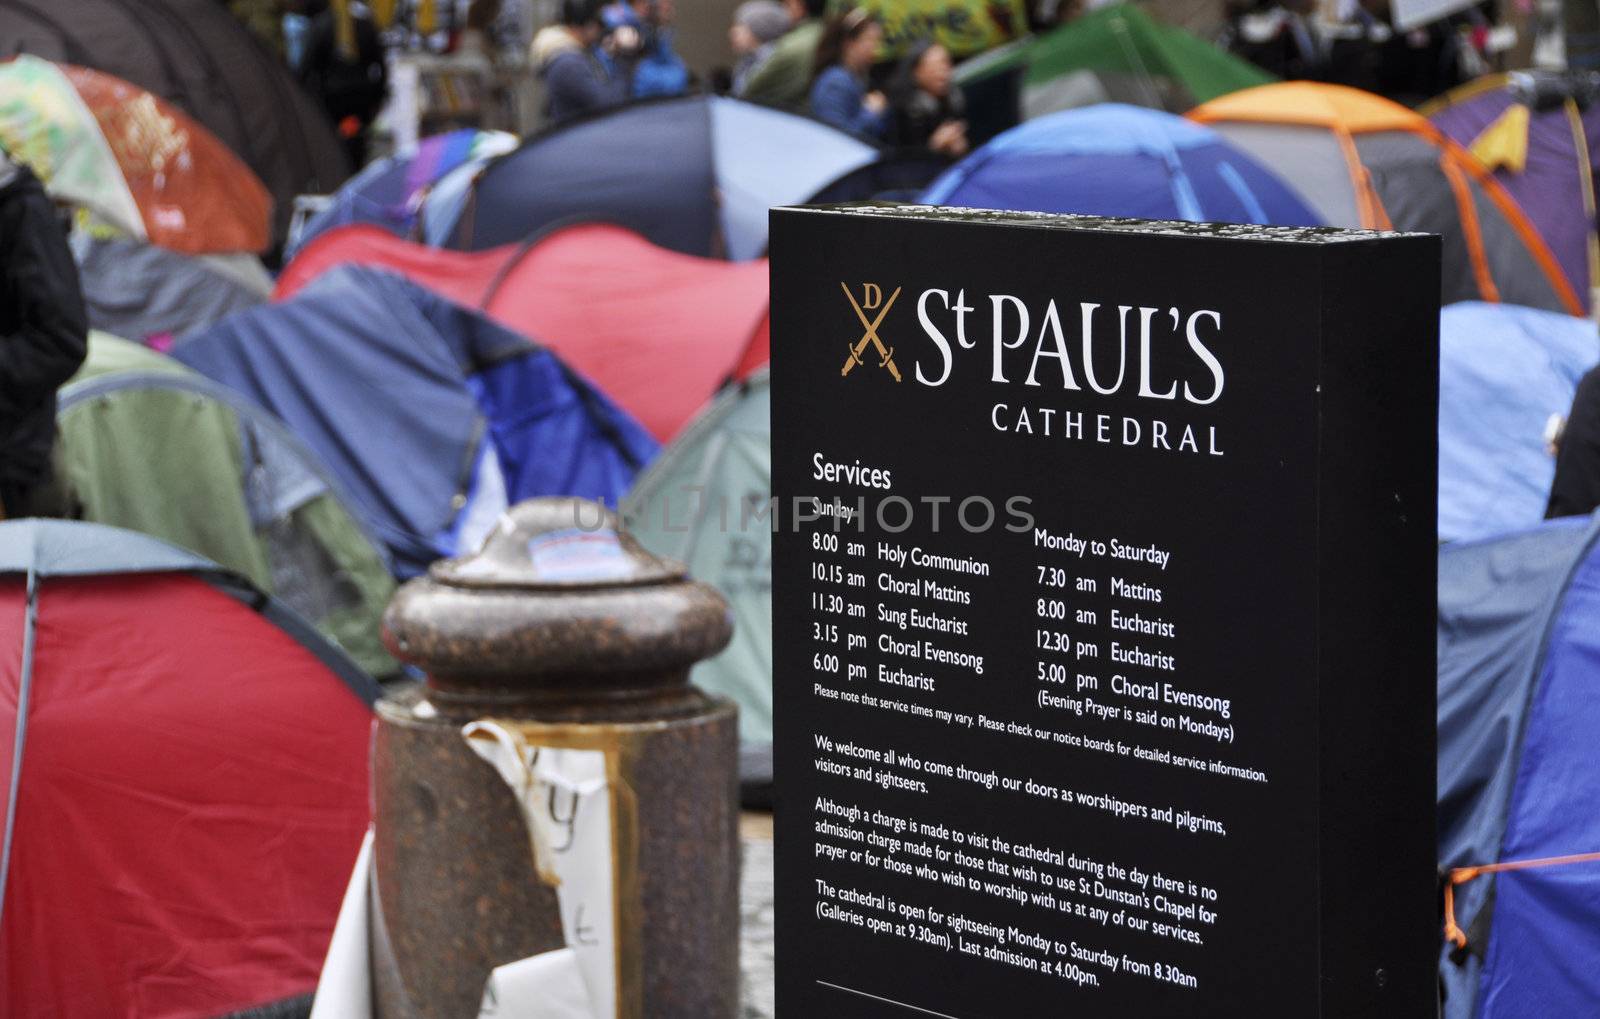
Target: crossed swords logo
[(871, 294)]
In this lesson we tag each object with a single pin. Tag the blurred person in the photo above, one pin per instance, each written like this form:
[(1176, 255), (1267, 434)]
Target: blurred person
[(1282, 38), (757, 27), (784, 78), (928, 113), (344, 67), (44, 329), (1408, 67), (1575, 490), (657, 68), (839, 91), (567, 56)]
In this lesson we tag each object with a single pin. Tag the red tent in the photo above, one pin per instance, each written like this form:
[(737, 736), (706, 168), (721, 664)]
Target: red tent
[(464, 277), (659, 331), (183, 782)]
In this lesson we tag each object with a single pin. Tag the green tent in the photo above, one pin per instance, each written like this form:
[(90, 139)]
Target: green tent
[(146, 444), (1115, 54), (691, 505)]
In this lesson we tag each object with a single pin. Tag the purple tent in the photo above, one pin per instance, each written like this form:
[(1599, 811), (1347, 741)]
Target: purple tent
[(1540, 134)]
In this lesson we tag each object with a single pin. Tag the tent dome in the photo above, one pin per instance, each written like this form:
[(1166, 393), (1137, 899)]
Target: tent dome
[(657, 330), (1116, 53), (1542, 143), (1519, 639), (722, 462), (1503, 372), (695, 174), (197, 56), (433, 417), (1364, 162), (1115, 160), (183, 781), (146, 444)]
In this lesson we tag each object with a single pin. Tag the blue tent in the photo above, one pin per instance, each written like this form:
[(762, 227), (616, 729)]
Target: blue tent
[(1519, 768), (389, 191), (434, 417), (694, 174), (1503, 372), (1115, 160)]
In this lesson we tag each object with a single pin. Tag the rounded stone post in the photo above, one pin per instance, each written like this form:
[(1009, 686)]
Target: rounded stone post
[(565, 629)]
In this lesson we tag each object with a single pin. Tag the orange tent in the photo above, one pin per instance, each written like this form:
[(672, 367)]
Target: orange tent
[(1362, 161)]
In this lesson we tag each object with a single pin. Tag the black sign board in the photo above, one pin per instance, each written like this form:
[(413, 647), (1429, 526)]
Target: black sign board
[(1103, 618)]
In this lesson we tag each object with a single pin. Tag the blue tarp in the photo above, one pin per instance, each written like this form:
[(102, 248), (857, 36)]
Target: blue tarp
[(397, 389), (1116, 160), (1519, 675), (1503, 371), (694, 174)]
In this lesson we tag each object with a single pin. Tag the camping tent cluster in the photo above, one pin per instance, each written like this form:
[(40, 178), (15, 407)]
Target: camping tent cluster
[(585, 312)]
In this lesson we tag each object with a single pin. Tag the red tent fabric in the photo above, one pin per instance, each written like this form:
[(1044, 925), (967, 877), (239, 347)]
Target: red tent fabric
[(657, 330), (464, 277), (191, 794)]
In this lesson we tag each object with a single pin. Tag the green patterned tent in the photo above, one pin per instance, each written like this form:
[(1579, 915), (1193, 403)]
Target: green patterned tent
[(150, 446), (1116, 54), (690, 505)]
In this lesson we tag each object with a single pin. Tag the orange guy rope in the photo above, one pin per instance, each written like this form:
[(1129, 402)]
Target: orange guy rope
[(1461, 875)]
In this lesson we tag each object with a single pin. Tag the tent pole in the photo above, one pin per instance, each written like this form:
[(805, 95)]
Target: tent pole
[(19, 738)]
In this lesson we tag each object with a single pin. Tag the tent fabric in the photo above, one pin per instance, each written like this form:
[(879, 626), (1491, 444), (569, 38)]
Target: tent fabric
[(1406, 175), (656, 330), (900, 175), (1517, 658), (465, 277), (195, 55), (1118, 160), (1117, 53), (388, 192), (403, 394), (1504, 371), (140, 291), (227, 759), (148, 445), (721, 464), (1544, 153), (715, 166)]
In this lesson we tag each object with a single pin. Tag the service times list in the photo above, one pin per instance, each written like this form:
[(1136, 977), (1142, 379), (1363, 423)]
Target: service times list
[(951, 837)]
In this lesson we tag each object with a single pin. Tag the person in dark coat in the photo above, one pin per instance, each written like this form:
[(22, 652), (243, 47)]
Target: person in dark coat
[(928, 113), (45, 331), (349, 76), (576, 81), (1575, 492)]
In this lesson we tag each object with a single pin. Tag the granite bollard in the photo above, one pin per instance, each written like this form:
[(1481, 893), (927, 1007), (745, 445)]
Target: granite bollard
[(565, 630)]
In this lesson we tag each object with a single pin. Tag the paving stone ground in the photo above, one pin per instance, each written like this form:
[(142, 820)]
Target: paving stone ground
[(755, 922)]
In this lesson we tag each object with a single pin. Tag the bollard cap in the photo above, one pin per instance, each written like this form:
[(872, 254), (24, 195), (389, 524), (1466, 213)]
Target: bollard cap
[(558, 545), (559, 604)]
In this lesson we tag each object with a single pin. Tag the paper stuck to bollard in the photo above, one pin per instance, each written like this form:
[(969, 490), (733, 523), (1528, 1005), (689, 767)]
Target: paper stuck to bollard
[(566, 800)]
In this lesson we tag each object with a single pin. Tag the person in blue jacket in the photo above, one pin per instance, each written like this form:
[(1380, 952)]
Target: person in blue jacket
[(839, 92), (657, 69)]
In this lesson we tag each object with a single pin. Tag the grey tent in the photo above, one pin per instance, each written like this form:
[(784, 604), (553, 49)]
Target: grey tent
[(706, 502), (149, 445), (139, 290)]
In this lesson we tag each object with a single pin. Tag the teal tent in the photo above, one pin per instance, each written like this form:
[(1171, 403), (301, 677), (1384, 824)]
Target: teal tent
[(707, 503)]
